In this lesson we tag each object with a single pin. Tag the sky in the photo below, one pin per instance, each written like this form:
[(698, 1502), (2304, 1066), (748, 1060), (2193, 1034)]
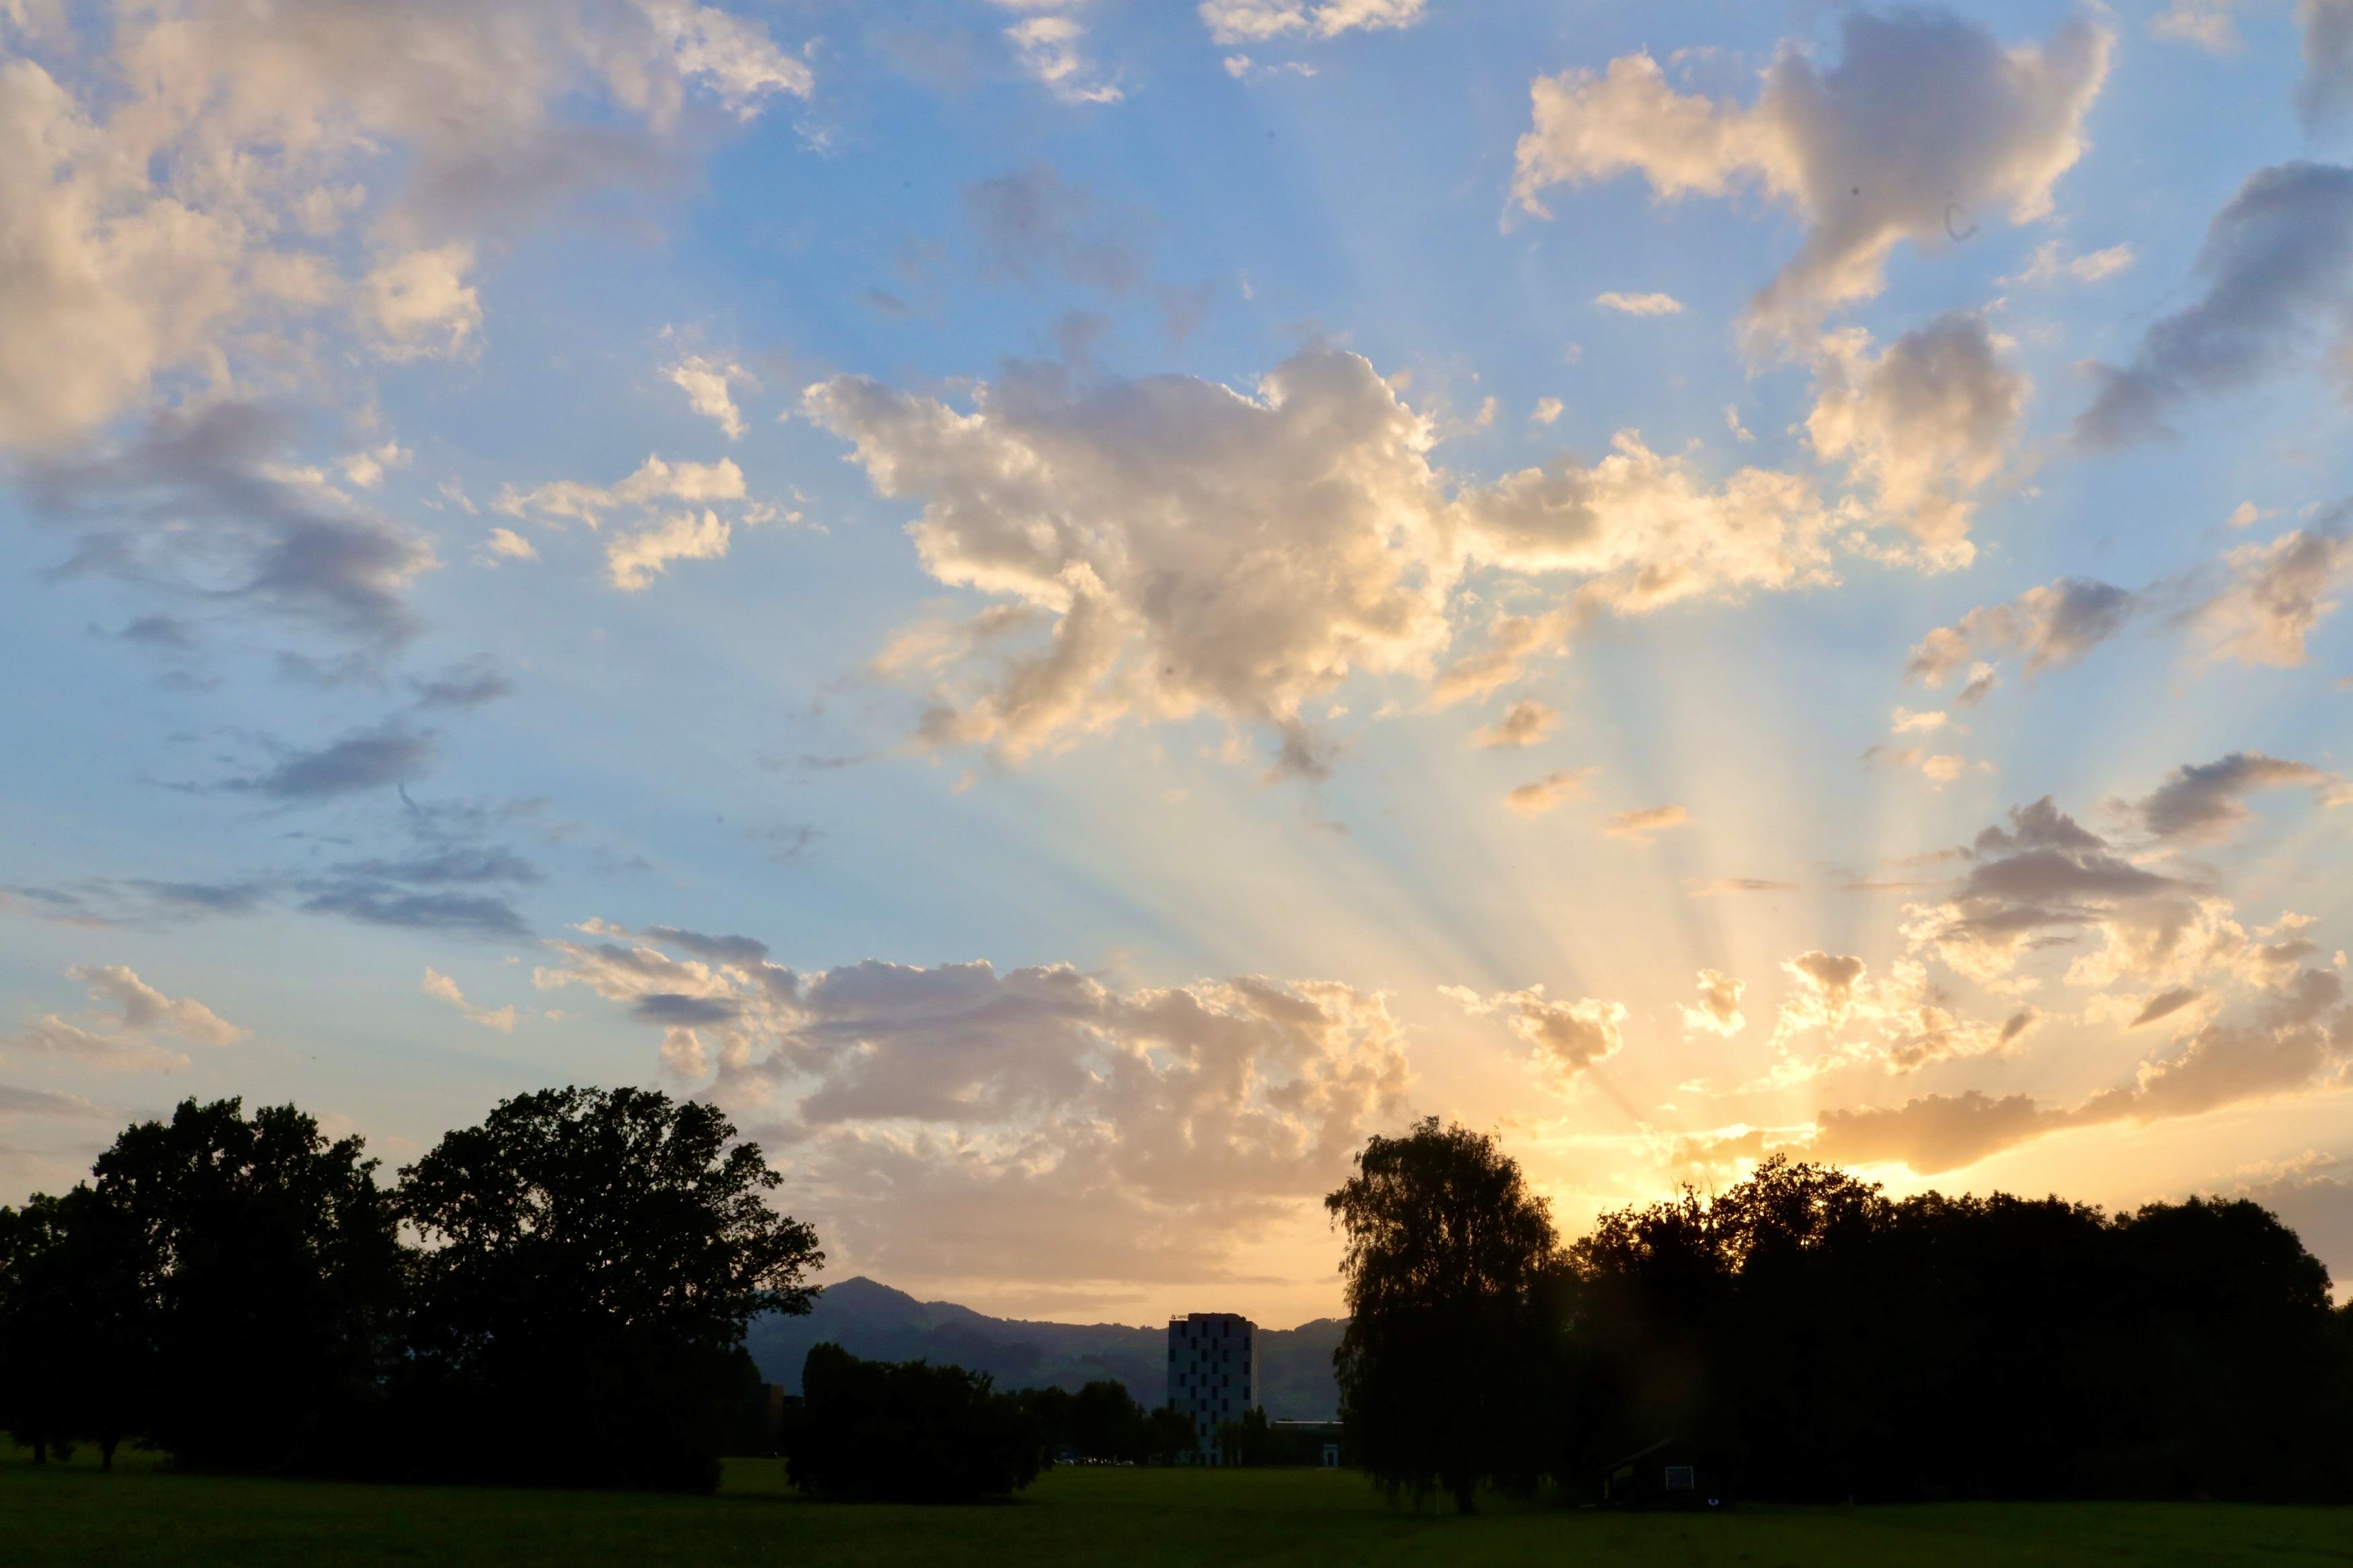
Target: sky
[(1073, 606)]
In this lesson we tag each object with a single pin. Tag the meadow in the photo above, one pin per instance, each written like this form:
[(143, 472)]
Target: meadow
[(74, 1514)]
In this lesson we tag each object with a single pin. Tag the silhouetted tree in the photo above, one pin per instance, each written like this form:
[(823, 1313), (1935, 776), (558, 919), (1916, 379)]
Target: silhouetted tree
[(264, 1270), (1248, 1440), (908, 1432), (592, 1260), (75, 1353), (1442, 1364), (1106, 1423), (1169, 1434)]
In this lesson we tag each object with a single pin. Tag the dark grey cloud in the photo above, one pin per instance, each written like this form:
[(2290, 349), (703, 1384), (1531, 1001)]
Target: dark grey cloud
[(466, 684), (738, 950), (385, 755), (455, 864), (2049, 626), (2277, 267), (1032, 224), (2205, 802), (465, 914), (673, 1010), (2326, 92), (202, 505)]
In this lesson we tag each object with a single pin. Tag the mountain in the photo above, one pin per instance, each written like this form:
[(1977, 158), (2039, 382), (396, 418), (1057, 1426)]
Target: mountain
[(870, 1320)]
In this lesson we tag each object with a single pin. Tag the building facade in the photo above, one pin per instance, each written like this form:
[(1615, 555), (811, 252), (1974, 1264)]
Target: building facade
[(1212, 1373)]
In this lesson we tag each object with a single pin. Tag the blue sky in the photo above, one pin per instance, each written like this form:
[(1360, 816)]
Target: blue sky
[(1072, 605)]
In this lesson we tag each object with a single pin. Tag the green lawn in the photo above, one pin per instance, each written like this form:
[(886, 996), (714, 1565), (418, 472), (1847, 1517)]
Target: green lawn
[(73, 1514)]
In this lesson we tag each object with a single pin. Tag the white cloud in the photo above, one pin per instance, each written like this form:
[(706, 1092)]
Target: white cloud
[(1925, 424), (1048, 42), (633, 559), (2050, 264), (709, 385), (1639, 304), (499, 1018), (1257, 21), (1548, 410), (124, 1038), (1925, 116), (1548, 792), (181, 181), (2274, 594), (1525, 723), (1566, 1036)]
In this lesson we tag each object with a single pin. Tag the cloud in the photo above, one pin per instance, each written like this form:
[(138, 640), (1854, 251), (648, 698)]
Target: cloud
[(1033, 223), (2164, 1005), (709, 385), (1567, 1037), (363, 760), (191, 184), (506, 545), (1046, 43), (1718, 1012), (2322, 97), (2204, 802), (1037, 1123), (2209, 24), (1524, 723), (633, 559), (1639, 304), (2050, 264), (1940, 768), (124, 1038), (1924, 425), (1259, 21), (1550, 791), (1640, 826), (201, 507), (464, 686), (2277, 267), (1548, 410), (499, 1018), (2049, 627), (2273, 595), (1908, 722), (1925, 115)]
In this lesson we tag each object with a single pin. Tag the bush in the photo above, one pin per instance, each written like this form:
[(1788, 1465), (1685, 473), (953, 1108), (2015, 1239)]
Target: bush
[(874, 1431)]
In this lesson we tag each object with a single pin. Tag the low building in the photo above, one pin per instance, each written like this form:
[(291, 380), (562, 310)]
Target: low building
[(1669, 1473), (1212, 1374)]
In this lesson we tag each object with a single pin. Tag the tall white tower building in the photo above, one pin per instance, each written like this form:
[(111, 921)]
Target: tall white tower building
[(1212, 1373)]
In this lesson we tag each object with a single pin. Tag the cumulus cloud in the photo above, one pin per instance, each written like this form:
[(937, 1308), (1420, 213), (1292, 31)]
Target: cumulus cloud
[(2299, 1043), (1036, 1123), (1940, 768), (2273, 595), (1524, 723), (184, 179), (710, 386), (2277, 270), (1566, 1036), (1902, 1021), (1545, 794), (1049, 45), (1718, 1010), (1925, 115), (2049, 627), (699, 531), (1640, 826), (1924, 424), (1260, 21), (130, 1018), (440, 985)]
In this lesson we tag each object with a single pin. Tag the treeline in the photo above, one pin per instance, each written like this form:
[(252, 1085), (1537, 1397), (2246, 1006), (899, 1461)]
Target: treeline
[(557, 1296), (1802, 1336)]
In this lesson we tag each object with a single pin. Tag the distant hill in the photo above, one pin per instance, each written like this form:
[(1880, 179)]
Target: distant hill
[(879, 1323)]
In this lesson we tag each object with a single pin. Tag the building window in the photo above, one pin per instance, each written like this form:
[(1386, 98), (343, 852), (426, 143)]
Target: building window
[(1679, 1478)]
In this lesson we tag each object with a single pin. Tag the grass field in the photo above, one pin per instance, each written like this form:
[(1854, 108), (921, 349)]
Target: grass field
[(73, 1514)]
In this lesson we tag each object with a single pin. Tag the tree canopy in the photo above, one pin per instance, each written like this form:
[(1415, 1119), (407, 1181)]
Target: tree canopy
[(1446, 1258)]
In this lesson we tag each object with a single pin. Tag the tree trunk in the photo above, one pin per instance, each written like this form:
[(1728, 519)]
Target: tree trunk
[(40, 1450), (1463, 1490), (106, 1452)]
